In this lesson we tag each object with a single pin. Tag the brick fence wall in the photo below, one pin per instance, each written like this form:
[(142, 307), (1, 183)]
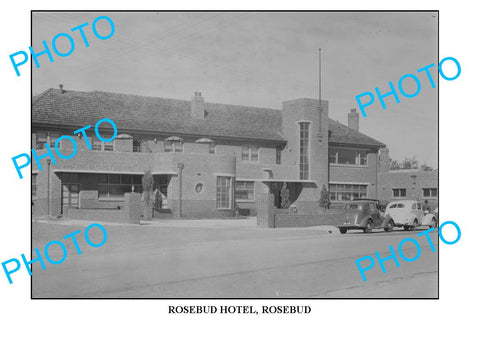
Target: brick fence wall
[(269, 217)]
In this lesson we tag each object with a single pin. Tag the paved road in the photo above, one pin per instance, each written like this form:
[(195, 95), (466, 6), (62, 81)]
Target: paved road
[(230, 259)]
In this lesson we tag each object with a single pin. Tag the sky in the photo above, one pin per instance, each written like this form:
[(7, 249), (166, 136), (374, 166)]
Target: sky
[(259, 59)]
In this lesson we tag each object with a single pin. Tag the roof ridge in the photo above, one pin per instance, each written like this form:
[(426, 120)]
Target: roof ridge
[(38, 96), (184, 100)]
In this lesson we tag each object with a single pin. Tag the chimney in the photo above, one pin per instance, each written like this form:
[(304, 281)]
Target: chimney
[(353, 119), (198, 106), (61, 88)]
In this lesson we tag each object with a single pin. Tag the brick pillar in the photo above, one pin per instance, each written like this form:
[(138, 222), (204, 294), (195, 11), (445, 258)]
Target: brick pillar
[(265, 215), (132, 207)]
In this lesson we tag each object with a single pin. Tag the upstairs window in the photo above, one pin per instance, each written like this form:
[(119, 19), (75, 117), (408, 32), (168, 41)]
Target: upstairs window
[(108, 146), (98, 145), (41, 140), (399, 193), (137, 145), (347, 156), (278, 154), (250, 153), (430, 192), (211, 148), (173, 144), (304, 161), (44, 137)]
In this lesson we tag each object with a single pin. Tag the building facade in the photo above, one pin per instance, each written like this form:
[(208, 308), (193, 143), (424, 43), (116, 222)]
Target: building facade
[(207, 159), (409, 184)]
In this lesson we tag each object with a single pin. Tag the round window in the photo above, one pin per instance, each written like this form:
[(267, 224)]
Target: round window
[(199, 188)]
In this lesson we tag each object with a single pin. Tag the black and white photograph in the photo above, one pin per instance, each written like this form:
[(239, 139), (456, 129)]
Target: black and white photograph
[(240, 170), (228, 157)]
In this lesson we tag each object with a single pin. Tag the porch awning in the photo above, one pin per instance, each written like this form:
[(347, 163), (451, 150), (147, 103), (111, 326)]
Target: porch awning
[(87, 171), (270, 180)]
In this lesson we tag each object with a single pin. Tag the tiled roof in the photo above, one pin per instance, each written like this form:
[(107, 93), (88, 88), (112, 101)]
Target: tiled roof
[(153, 114), (342, 134)]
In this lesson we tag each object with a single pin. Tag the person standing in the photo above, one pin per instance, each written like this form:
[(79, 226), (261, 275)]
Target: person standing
[(426, 206)]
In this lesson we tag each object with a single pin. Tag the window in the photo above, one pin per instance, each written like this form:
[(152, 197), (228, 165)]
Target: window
[(53, 136), (137, 145), (113, 186), (108, 146), (211, 148), (34, 185), (199, 188), (395, 205), (346, 192), (98, 145), (47, 137), (347, 156), (430, 192), (173, 144), (224, 192), (244, 191), (41, 140), (399, 192), (278, 154), (304, 151), (250, 153)]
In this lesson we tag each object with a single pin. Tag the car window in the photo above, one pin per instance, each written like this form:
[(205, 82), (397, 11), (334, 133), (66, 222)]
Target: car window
[(397, 205), (419, 207), (414, 206), (352, 207)]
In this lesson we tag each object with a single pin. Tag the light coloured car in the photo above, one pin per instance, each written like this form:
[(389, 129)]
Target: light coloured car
[(409, 215)]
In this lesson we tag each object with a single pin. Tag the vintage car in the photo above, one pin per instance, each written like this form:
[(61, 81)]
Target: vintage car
[(409, 215), (364, 215)]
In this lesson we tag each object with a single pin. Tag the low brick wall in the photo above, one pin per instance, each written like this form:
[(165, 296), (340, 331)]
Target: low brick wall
[(128, 213), (301, 220), (103, 215)]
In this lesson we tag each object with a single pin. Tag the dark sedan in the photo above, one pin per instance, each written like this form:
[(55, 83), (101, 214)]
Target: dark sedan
[(364, 215)]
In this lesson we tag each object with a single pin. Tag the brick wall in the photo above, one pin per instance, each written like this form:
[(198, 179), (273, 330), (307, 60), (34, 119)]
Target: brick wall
[(412, 181), (310, 220)]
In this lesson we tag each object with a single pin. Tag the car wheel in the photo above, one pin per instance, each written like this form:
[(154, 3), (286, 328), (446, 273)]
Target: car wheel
[(343, 230), (368, 228), (389, 227), (434, 223), (415, 225)]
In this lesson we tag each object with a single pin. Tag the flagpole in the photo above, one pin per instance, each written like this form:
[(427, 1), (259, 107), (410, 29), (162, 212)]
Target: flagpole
[(320, 79)]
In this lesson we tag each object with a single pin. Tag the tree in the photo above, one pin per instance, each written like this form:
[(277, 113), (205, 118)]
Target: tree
[(325, 198), (147, 183), (425, 167), (285, 195), (394, 165), (409, 163)]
